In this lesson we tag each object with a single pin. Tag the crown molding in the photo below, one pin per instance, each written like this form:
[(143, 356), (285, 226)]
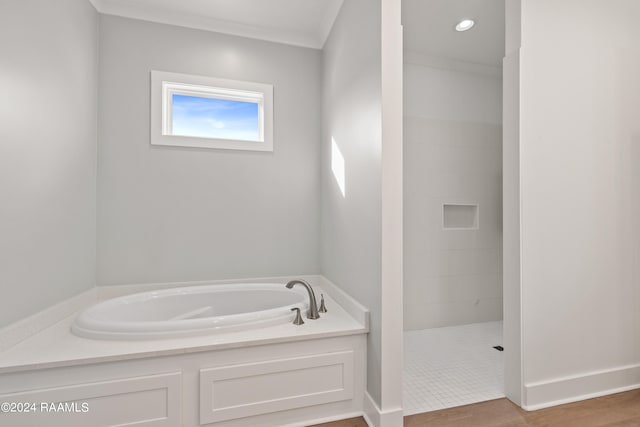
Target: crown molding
[(130, 10), (417, 58)]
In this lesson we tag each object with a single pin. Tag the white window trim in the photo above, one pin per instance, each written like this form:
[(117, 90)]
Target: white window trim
[(164, 85)]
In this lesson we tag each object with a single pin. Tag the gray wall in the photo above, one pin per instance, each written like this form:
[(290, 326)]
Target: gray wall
[(351, 225), (452, 154), (48, 111), (179, 214)]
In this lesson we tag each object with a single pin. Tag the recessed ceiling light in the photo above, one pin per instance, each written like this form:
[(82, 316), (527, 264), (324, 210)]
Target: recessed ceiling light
[(465, 25)]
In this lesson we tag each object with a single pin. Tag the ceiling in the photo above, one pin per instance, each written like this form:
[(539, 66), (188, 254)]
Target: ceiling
[(429, 30), (428, 24), (297, 22)]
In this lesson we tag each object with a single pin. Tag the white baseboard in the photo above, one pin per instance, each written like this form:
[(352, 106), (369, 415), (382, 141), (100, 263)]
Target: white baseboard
[(375, 417), (21, 330), (323, 420), (581, 387)]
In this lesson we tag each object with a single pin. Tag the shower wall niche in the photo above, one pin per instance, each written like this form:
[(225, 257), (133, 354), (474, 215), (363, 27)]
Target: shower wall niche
[(452, 194)]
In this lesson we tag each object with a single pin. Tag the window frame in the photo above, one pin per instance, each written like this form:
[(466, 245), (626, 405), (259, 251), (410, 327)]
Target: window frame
[(165, 84)]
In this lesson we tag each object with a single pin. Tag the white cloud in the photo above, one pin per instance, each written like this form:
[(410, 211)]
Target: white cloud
[(218, 124)]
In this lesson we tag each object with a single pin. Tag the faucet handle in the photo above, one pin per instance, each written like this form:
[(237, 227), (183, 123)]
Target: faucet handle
[(298, 320), (323, 308)]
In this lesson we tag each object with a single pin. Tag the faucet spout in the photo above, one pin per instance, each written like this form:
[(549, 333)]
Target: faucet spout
[(312, 313)]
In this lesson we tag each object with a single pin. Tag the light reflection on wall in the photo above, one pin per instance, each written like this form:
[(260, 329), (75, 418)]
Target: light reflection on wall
[(337, 166)]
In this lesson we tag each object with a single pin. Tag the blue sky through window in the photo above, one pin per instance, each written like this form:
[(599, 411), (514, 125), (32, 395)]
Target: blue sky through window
[(215, 118)]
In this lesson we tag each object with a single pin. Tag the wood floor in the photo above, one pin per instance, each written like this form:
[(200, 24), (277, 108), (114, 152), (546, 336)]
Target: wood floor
[(616, 410)]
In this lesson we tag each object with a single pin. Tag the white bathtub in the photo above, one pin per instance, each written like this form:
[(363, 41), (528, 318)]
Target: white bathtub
[(190, 311)]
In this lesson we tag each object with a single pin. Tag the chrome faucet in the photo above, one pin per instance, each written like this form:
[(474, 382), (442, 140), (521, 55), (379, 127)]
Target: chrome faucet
[(313, 306)]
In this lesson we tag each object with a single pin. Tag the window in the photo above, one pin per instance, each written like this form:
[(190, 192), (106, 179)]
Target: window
[(206, 112)]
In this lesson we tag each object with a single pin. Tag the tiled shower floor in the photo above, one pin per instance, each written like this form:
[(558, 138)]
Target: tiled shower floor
[(452, 366)]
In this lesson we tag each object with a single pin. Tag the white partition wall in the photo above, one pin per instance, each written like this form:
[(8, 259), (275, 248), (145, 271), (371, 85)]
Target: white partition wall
[(48, 125), (579, 151), (351, 166), (512, 332), (392, 181)]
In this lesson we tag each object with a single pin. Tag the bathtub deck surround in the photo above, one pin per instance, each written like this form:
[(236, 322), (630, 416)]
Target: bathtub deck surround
[(63, 348), (271, 376), (21, 330)]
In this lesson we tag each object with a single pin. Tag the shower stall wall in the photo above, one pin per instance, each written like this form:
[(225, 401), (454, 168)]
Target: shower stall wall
[(453, 194)]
